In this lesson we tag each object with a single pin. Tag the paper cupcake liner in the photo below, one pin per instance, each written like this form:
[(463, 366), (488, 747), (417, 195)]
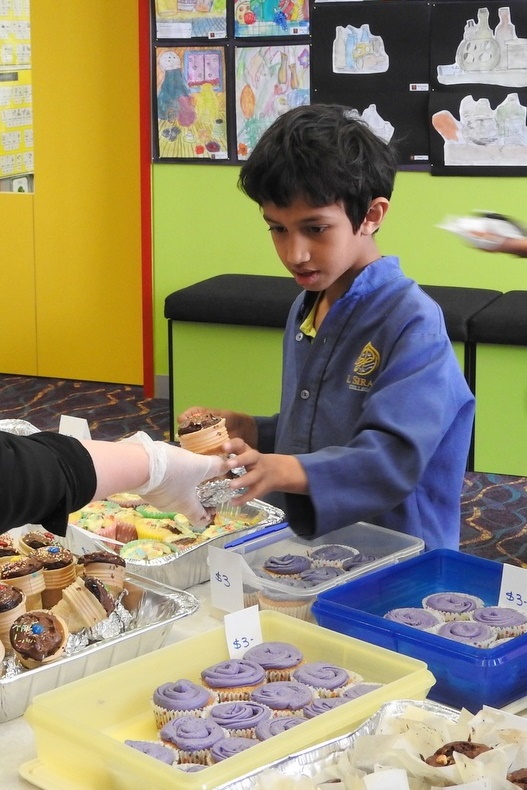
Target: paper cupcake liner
[(297, 609), (163, 715), (479, 643), (56, 581), (507, 631), (232, 694), (354, 678), (112, 576), (7, 618), (207, 441), (325, 563), (200, 757), (79, 608), (448, 617)]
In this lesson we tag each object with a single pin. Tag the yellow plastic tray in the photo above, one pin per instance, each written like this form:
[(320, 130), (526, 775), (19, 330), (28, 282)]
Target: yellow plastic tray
[(80, 729)]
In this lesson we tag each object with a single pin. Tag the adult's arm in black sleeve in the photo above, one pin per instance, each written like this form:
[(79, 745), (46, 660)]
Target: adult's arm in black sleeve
[(43, 478)]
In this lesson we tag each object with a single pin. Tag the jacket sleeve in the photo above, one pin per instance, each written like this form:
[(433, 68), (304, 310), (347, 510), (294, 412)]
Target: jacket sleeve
[(43, 478)]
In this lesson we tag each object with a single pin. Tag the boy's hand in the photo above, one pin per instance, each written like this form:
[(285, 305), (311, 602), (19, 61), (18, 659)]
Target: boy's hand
[(265, 472), (239, 425)]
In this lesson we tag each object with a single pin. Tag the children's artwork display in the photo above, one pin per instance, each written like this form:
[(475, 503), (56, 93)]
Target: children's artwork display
[(269, 81), (190, 19), (269, 18), (190, 102)]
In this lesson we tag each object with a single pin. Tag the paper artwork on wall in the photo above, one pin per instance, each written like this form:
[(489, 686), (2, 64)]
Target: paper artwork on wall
[(191, 19), (358, 51), (270, 80), (190, 103), (269, 18)]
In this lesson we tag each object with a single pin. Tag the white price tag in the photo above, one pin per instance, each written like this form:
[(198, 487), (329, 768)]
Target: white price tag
[(513, 588), (242, 631), (226, 582), (394, 778), (74, 426)]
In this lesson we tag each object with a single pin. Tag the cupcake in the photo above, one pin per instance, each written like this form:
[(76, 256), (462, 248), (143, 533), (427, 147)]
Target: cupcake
[(279, 659), (37, 539), (12, 605), (320, 575), (228, 747), (284, 697), (203, 433), (124, 499), (332, 553), (322, 705), (504, 621), (445, 754), (233, 679), (110, 568), (79, 607), (452, 605), (268, 729), (518, 778), (8, 550), (324, 678), (59, 572), (156, 750), (181, 698), (239, 718), (192, 736), (285, 600), (468, 632), (414, 617), (38, 637), (358, 690), (359, 559), (27, 574), (287, 565)]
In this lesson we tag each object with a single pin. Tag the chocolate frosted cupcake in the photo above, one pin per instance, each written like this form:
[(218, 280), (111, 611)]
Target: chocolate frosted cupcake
[(8, 550), (324, 678), (12, 605), (271, 727), (203, 433), (38, 637), (287, 565), (81, 605), (452, 605), (59, 568), (156, 750), (192, 736), (445, 754), (468, 632), (233, 679), (110, 568), (415, 617), (279, 659), (284, 697), (37, 539), (228, 747), (504, 621), (181, 698), (26, 573), (239, 718)]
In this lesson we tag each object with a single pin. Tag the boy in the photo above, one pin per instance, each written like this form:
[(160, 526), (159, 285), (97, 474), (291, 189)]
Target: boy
[(375, 417)]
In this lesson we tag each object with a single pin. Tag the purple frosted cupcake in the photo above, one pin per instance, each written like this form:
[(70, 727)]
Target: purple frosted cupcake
[(423, 619), (504, 621), (239, 718), (283, 697), (286, 600), (325, 679), (358, 560), (320, 575), (322, 705), (228, 747), (279, 659), (233, 679), (452, 605), (192, 737), (331, 554), (358, 690), (268, 729), (156, 750), (287, 565), (468, 632), (182, 698)]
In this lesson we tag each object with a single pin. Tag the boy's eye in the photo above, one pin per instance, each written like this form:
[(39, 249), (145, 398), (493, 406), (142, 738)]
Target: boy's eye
[(318, 229), (276, 229)]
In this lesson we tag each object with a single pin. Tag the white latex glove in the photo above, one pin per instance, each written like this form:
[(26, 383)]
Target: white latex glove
[(174, 475)]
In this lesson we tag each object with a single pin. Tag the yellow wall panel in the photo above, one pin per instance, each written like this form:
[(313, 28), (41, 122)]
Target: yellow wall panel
[(87, 189)]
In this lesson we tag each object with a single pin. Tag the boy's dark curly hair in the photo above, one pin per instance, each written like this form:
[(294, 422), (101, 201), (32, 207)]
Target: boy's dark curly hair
[(323, 154)]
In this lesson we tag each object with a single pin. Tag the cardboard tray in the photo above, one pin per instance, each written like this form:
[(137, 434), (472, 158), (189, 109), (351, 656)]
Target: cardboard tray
[(466, 676), (79, 730)]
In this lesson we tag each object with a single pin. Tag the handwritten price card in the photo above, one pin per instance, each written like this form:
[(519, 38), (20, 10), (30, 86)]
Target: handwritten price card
[(242, 631), (513, 589), (226, 582)]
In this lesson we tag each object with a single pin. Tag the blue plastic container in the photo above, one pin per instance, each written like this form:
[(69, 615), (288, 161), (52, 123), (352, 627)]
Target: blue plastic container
[(466, 676)]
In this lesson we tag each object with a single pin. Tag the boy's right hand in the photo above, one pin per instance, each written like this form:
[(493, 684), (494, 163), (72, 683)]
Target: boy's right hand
[(238, 424)]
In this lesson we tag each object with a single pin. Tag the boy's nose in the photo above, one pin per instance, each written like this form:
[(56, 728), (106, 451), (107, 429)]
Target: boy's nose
[(297, 251)]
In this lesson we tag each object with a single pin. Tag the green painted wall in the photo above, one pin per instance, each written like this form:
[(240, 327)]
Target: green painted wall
[(202, 226)]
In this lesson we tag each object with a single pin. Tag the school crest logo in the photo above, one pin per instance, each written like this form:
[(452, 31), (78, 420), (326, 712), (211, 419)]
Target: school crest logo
[(366, 363)]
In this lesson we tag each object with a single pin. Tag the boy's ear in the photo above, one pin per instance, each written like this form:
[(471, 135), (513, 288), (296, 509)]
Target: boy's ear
[(375, 215)]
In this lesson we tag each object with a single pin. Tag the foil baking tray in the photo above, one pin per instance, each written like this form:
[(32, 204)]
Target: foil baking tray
[(153, 608), (313, 760), (190, 567)]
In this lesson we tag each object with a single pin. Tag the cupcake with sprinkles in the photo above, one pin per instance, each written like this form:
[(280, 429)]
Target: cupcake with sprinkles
[(324, 678), (181, 698), (233, 679), (59, 569), (452, 605), (38, 637)]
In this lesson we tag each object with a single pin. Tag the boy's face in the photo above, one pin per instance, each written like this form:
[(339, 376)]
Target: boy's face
[(318, 246)]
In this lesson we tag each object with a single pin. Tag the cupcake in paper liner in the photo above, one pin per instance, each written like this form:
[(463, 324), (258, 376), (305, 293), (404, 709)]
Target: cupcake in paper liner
[(239, 718), (149, 511), (229, 746), (284, 697), (233, 679), (268, 729), (468, 633), (359, 559), (287, 565), (320, 574), (26, 573), (12, 605), (8, 550), (124, 499), (415, 617), (285, 601), (36, 539), (203, 433), (279, 659), (452, 605), (181, 698), (325, 678), (322, 705), (504, 621), (59, 568), (192, 736), (359, 689), (332, 554), (155, 749), (38, 637)]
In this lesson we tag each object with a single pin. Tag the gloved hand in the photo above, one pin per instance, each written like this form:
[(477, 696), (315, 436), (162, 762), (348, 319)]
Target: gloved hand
[(174, 475)]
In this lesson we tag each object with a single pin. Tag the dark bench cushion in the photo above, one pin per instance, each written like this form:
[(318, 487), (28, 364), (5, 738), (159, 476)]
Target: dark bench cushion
[(503, 322), (246, 299), (459, 305)]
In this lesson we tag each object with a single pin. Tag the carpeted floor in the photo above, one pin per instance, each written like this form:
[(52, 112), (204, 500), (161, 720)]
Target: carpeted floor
[(493, 507)]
